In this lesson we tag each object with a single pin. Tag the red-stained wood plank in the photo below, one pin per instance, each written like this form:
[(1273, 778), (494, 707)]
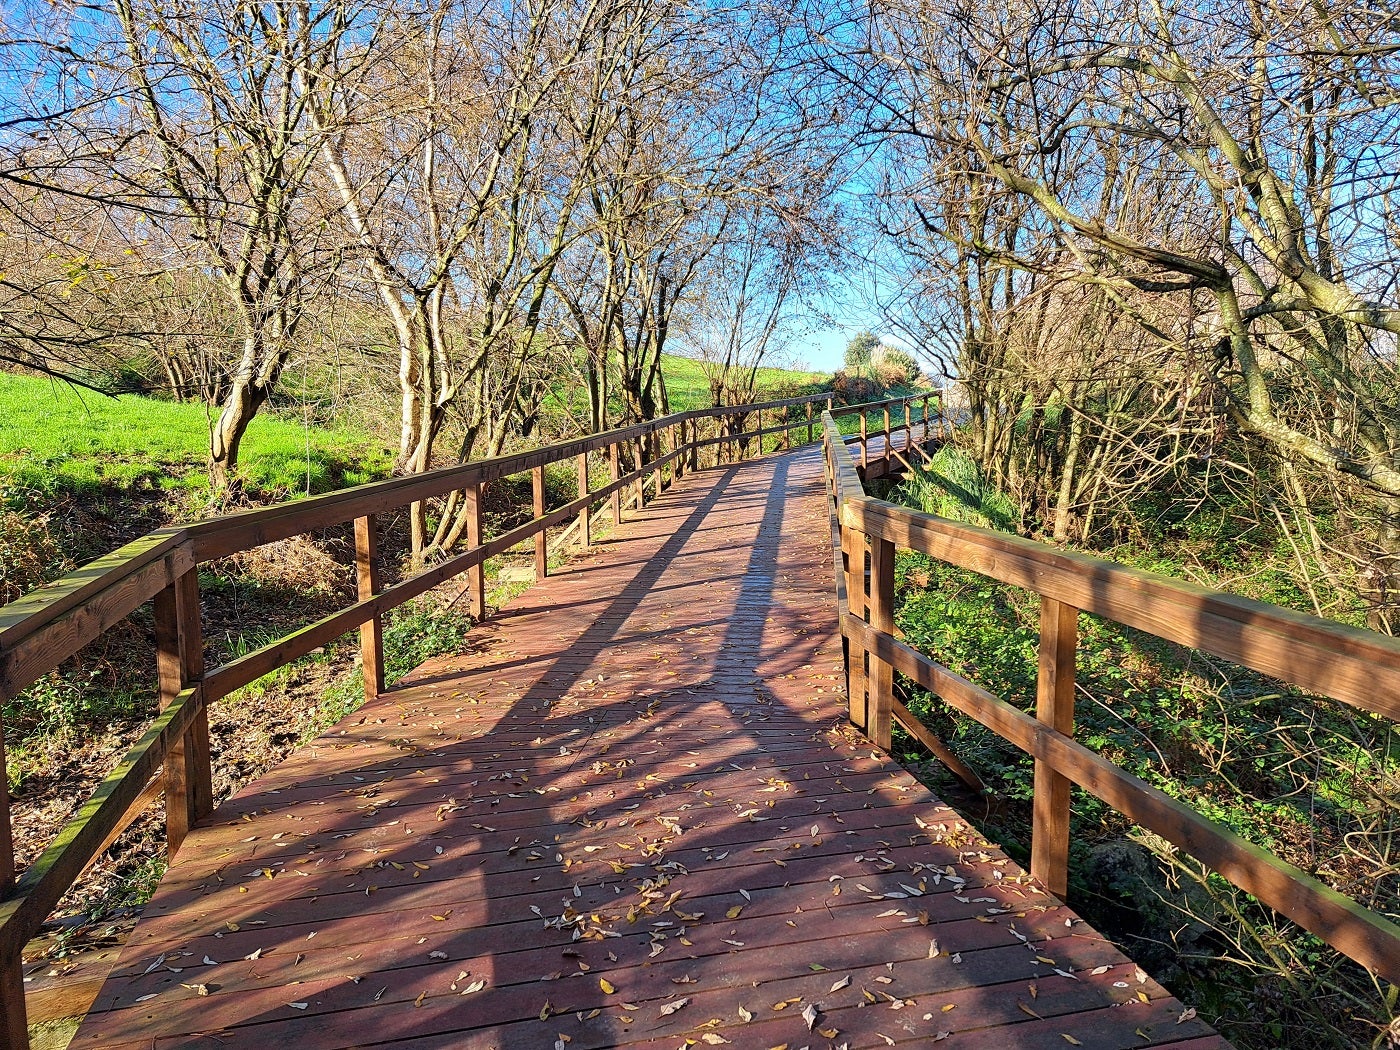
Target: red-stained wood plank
[(635, 787)]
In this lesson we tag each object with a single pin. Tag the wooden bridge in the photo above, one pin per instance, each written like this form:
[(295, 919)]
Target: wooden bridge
[(642, 809)]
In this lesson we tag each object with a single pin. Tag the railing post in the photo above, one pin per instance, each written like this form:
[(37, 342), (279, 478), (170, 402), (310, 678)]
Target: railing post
[(615, 469), (7, 840), (476, 575), (693, 436), (679, 442), (585, 513), (180, 664), (925, 417), (889, 436), (1054, 706), (809, 422), (659, 474), (759, 430), (864, 437), (541, 537), (853, 557), (881, 683), (908, 428), (367, 586), (640, 455), (14, 1024)]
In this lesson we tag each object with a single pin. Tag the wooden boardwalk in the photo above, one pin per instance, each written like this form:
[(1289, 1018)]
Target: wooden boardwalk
[(632, 814)]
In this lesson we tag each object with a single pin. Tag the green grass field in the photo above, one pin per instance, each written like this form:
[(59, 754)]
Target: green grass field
[(688, 387), (55, 439)]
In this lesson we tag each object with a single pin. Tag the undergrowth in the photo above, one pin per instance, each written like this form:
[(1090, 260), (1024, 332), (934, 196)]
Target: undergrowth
[(1307, 778)]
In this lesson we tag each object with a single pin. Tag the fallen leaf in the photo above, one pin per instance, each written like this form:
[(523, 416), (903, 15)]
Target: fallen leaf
[(1070, 1039), (1187, 1015), (608, 987), (810, 1016), (745, 1015), (842, 983), (297, 1006), (672, 1007)]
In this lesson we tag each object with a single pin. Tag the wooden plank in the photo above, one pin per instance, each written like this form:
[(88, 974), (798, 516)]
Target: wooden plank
[(72, 999), (367, 584), (43, 605), (615, 473), (585, 514), (1359, 667), (647, 748), (48, 878), (920, 732), (14, 1022), (541, 537), (7, 840), (476, 573), (853, 550), (1059, 633), (180, 664), (1353, 930), (881, 681), (37, 644), (235, 674)]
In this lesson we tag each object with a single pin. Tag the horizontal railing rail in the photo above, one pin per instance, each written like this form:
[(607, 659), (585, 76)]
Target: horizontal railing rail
[(50, 625), (1358, 667)]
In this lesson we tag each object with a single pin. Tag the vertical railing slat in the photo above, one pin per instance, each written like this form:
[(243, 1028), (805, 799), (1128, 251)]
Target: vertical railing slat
[(180, 664), (367, 586), (585, 514), (541, 537), (1059, 625), (476, 575), (881, 618), (853, 556), (615, 469)]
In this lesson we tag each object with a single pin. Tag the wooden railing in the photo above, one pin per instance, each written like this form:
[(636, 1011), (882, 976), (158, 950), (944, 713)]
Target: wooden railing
[(41, 630), (1359, 667)]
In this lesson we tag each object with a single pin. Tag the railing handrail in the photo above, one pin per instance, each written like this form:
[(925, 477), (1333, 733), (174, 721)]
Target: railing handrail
[(49, 625), (1358, 667), (336, 507)]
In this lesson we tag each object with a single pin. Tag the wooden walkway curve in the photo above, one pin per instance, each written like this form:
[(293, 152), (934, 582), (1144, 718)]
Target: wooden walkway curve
[(633, 814)]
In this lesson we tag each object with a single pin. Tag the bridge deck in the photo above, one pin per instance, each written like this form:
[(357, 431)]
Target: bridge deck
[(632, 814)]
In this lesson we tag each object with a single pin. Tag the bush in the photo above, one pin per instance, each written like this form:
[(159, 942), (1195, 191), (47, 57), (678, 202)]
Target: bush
[(895, 367), (953, 486), (856, 389), (29, 557)]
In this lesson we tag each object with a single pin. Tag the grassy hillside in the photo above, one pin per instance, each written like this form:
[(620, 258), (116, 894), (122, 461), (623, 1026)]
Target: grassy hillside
[(688, 387), (56, 440)]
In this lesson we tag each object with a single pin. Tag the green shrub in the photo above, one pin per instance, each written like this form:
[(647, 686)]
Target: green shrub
[(953, 486)]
